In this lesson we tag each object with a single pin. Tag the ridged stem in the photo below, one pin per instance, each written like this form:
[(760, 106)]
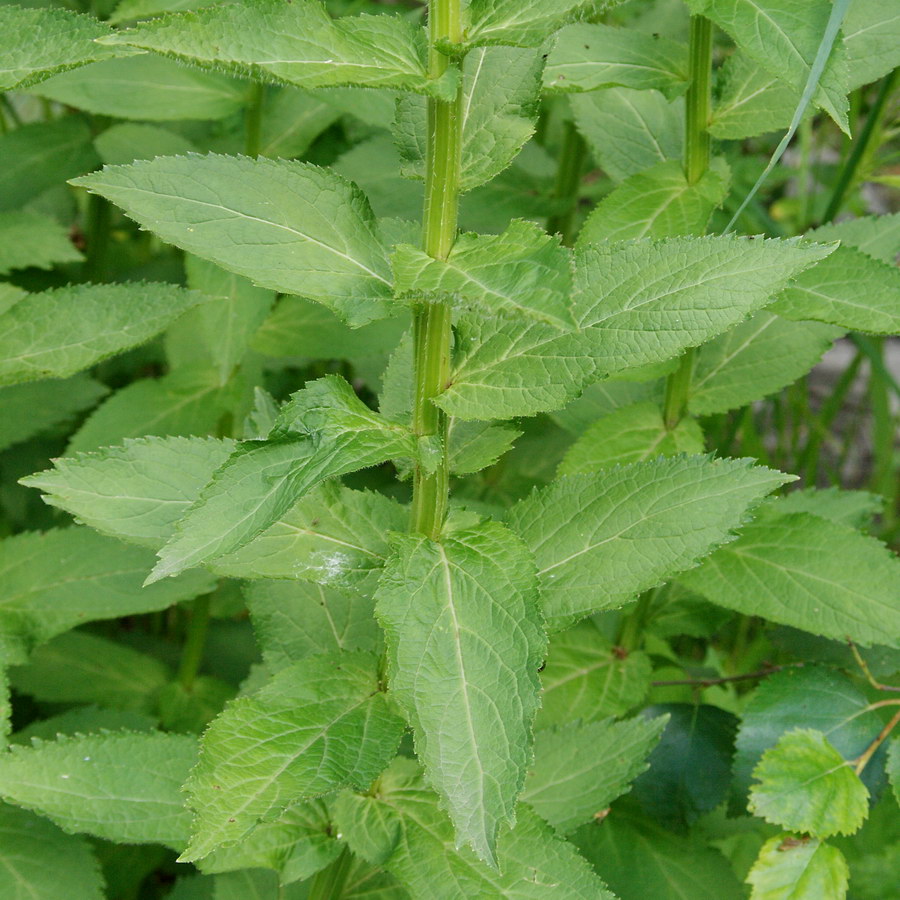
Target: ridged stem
[(698, 106), (195, 642), (253, 120), (431, 320), (568, 178)]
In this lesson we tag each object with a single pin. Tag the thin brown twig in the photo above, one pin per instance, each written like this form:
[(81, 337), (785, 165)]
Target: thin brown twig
[(873, 747), (866, 671), (709, 682)]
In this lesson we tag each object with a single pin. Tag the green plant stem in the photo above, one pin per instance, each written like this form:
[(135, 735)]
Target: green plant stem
[(883, 735), (884, 476), (698, 108), (859, 147), (431, 321), (96, 236), (631, 632), (572, 156), (328, 884), (195, 641), (253, 120)]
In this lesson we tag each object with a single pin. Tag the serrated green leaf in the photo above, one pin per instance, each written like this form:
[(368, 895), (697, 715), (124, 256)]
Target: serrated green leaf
[(523, 23), (601, 539), (473, 446), (855, 509), (783, 36), (586, 678), (293, 120), (324, 431), (659, 202), (630, 434), (297, 43), (220, 331), (849, 289), (755, 359), (590, 57), (466, 679), (37, 43), (37, 406), (187, 401), (38, 861), (400, 826), (641, 859), (876, 236), (500, 93), (293, 620), (78, 667), (629, 131), (296, 846), (33, 239), (121, 787), (872, 37), (807, 572), (579, 769), (790, 868), (84, 720), (497, 358), (145, 87), (751, 100), (243, 215), (137, 491), (127, 141), (809, 697), (522, 272), (334, 536), (320, 724), (40, 155), (646, 301), (59, 332), (805, 785), (52, 581)]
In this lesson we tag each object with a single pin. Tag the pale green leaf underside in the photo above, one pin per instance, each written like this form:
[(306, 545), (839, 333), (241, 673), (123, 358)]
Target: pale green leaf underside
[(334, 536), (52, 581), (318, 725), (297, 43), (59, 332), (586, 678), (630, 434), (37, 43), (601, 539), (402, 827), (288, 226), (872, 38), (579, 769), (118, 786), (792, 869), (324, 431), (296, 619), (807, 572), (755, 359), (525, 23), (629, 131), (147, 88), (137, 491), (849, 289), (33, 239), (657, 203), (876, 236), (856, 509), (805, 785), (591, 57), (464, 644), (35, 854)]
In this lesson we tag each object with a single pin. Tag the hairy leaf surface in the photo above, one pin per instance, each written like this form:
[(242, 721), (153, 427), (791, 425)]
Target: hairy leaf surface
[(320, 724), (285, 225), (464, 642), (789, 868), (599, 540)]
